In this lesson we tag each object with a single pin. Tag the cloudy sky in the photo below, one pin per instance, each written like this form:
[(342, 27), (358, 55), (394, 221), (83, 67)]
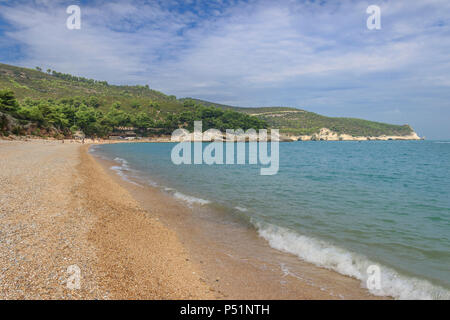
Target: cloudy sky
[(315, 55)]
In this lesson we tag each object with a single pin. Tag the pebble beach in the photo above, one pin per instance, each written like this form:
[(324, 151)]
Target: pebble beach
[(59, 209)]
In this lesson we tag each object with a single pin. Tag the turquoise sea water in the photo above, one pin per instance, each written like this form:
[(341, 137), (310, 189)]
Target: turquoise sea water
[(340, 205)]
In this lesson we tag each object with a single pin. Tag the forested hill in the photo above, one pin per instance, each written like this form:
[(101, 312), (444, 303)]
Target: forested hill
[(49, 84), (301, 122), (47, 101), (50, 103)]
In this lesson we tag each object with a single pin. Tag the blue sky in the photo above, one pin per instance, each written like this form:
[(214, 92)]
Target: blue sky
[(315, 55)]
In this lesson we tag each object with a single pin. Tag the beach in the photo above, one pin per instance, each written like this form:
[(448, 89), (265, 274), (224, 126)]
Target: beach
[(61, 207)]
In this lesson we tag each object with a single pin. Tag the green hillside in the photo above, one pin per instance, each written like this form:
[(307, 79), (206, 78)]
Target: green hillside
[(34, 84), (301, 122), (33, 102), (240, 109), (53, 103)]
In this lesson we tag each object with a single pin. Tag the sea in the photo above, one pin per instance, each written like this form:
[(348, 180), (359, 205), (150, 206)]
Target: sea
[(363, 209)]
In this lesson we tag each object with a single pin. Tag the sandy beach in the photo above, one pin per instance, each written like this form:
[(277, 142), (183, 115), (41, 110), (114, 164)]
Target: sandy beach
[(60, 207)]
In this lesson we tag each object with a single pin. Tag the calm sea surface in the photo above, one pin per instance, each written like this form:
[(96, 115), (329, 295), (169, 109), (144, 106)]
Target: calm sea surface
[(339, 205)]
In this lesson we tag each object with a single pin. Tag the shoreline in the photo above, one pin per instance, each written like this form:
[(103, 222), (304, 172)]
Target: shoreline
[(235, 261), (324, 135), (141, 258)]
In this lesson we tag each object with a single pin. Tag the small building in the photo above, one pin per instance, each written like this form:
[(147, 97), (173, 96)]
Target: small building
[(129, 134), (125, 128), (115, 136)]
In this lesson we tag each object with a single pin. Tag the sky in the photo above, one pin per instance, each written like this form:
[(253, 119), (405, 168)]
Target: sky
[(314, 55)]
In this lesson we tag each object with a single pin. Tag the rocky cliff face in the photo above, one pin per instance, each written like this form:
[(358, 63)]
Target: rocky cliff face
[(323, 135), (12, 126), (326, 134)]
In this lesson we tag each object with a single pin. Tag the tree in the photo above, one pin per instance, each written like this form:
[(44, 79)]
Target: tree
[(57, 118), (32, 113), (8, 102), (86, 120), (188, 103), (135, 104), (93, 102), (142, 121), (117, 118)]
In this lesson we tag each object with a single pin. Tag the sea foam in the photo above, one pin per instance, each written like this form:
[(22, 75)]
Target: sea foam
[(122, 169), (328, 256), (190, 199)]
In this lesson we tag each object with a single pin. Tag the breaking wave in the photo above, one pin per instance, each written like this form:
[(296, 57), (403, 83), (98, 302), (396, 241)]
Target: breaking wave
[(328, 256)]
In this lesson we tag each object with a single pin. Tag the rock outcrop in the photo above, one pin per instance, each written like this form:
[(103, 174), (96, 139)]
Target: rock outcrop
[(326, 134)]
